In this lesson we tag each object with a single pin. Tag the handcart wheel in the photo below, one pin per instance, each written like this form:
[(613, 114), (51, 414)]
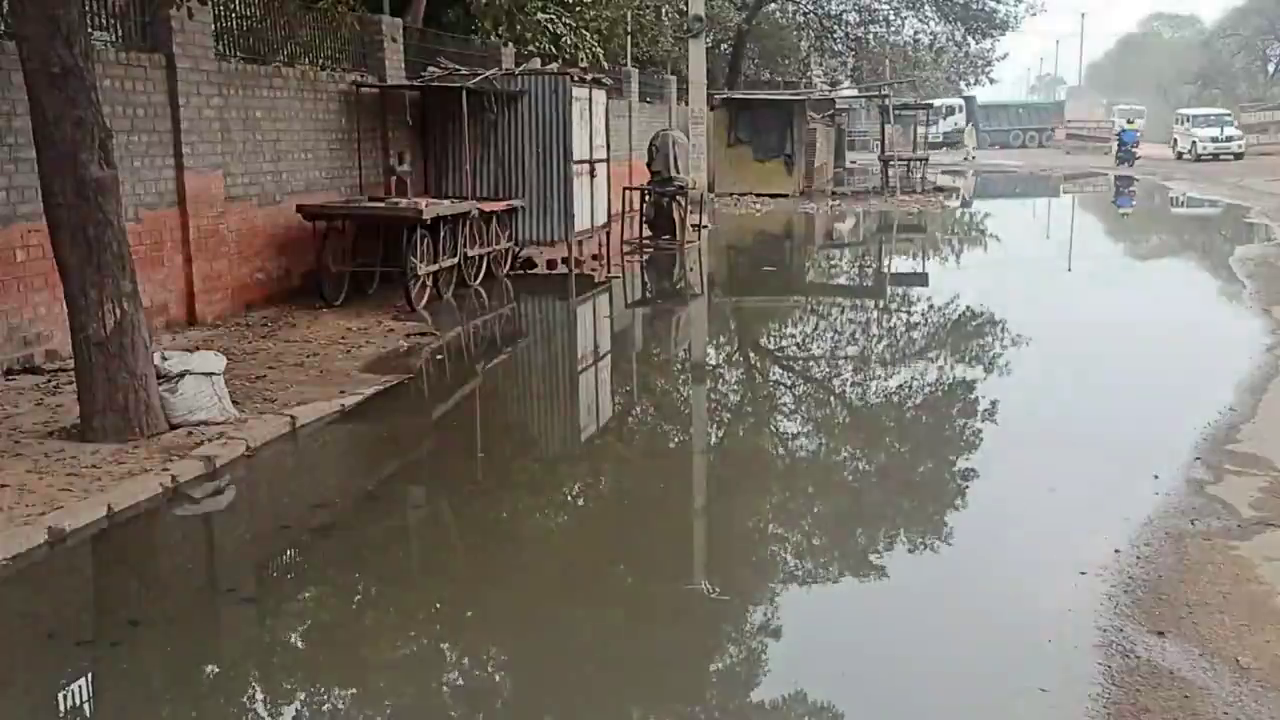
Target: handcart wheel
[(476, 304), (419, 257), (448, 251), (333, 266), (500, 237), (474, 260), (368, 261)]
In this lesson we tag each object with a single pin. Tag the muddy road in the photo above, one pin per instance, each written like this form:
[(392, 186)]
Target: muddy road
[(920, 464)]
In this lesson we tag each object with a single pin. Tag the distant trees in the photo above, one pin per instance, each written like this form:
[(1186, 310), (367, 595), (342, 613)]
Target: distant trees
[(1174, 60), (1046, 86)]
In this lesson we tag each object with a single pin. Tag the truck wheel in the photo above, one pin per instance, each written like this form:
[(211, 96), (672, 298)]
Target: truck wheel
[(1177, 152), (984, 141), (1032, 140), (1015, 138), (1238, 156), (1195, 152)]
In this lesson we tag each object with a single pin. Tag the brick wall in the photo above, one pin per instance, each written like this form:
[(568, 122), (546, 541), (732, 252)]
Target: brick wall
[(213, 157), (135, 101), (631, 124)]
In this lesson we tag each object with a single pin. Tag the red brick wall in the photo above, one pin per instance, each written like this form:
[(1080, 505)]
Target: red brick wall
[(213, 231)]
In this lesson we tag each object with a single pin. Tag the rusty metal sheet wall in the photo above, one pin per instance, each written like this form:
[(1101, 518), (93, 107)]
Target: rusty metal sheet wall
[(521, 148), (544, 148)]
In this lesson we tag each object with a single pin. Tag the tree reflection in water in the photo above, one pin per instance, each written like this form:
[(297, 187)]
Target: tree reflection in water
[(484, 581), (838, 432)]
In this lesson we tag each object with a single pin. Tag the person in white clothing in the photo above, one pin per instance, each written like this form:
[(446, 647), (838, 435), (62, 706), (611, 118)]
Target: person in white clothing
[(970, 141)]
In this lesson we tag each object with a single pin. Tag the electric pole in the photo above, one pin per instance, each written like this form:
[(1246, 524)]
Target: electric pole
[(1057, 45), (1079, 62), (697, 26)]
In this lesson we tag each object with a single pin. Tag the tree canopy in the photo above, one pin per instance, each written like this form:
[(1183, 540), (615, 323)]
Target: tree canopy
[(1174, 60), (949, 45)]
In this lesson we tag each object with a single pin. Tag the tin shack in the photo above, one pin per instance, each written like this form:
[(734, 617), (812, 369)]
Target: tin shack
[(779, 143)]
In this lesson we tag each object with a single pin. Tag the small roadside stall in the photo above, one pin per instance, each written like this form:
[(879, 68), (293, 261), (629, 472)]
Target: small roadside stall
[(429, 238), (779, 143)]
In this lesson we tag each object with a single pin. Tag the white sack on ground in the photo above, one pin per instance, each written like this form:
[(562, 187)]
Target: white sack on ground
[(192, 389)]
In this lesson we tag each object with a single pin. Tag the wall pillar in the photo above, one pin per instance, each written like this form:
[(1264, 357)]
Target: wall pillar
[(384, 46), (185, 37), (671, 96)]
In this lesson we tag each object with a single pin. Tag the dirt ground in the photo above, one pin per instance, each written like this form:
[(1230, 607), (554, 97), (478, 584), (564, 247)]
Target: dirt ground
[(277, 359)]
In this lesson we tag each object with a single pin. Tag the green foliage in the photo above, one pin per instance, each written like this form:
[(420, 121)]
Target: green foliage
[(950, 45)]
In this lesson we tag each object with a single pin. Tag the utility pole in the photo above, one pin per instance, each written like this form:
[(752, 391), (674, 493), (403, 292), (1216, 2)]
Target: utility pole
[(1079, 61), (697, 26), (1057, 45), (1026, 92)]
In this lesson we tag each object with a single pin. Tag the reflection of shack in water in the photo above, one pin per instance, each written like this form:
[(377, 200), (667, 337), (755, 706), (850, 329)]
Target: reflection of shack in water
[(788, 265), (566, 371)]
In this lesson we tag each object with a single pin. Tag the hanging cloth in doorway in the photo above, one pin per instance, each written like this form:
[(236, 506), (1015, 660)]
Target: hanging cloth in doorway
[(766, 127)]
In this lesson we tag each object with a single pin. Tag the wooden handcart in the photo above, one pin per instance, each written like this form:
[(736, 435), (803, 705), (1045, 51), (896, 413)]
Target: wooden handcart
[(436, 239)]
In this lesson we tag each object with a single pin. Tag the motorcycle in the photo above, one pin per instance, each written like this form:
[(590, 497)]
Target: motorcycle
[(1127, 142)]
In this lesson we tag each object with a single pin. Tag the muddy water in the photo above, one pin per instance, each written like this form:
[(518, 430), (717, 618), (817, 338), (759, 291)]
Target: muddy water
[(878, 469)]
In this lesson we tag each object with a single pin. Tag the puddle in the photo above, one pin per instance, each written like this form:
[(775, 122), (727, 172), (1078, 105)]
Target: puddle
[(874, 466)]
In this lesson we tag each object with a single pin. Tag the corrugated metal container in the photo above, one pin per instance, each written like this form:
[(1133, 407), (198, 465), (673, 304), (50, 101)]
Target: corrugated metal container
[(542, 151), (523, 147), (563, 386)]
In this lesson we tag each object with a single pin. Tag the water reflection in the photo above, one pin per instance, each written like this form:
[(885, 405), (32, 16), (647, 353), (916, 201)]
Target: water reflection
[(585, 506)]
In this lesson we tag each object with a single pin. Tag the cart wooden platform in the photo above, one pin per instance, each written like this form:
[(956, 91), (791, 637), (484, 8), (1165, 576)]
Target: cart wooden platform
[(436, 238)]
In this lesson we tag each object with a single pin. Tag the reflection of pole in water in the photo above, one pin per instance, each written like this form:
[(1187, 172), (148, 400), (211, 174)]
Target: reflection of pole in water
[(1048, 216), (479, 444), (1071, 236), (698, 436)]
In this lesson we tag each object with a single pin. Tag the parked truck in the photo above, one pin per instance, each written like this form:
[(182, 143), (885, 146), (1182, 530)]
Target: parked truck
[(998, 124)]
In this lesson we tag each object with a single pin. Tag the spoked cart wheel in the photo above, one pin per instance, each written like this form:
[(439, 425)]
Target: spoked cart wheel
[(367, 255), (419, 260), (333, 265), (474, 258), (448, 249), (500, 237)]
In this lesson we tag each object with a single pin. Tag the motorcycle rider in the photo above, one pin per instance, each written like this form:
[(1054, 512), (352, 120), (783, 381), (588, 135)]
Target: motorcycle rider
[(1127, 137)]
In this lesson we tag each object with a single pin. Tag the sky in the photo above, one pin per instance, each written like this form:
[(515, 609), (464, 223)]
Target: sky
[(1105, 21)]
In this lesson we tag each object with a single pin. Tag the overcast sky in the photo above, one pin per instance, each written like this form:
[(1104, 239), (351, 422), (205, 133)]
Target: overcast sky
[(1105, 20)]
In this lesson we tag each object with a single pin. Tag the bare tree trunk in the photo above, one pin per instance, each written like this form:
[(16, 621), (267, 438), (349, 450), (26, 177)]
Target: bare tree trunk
[(741, 36), (413, 14), (110, 340)]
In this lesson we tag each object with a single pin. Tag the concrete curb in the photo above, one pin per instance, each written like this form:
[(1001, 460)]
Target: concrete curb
[(24, 544)]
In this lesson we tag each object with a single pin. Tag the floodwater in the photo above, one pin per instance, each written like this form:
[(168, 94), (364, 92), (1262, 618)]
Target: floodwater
[(876, 467)]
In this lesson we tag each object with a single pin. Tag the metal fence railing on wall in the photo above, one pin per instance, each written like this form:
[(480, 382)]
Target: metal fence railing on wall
[(424, 48), (286, 32), (123, 24)]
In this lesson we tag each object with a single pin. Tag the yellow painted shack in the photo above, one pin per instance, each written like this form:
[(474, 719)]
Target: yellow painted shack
[(772, 143)]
